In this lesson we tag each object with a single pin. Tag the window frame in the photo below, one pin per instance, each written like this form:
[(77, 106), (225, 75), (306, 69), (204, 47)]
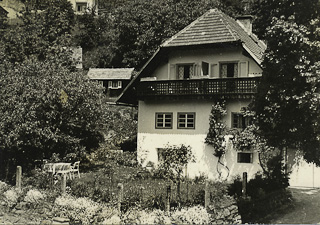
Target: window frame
[(246, 121), (250, 157), (163, 120), (115, 84), (228, 62), (192, 68), (83, 6), (186, 120)]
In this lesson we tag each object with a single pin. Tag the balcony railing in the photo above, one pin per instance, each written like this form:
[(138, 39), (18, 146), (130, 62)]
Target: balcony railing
[(199, 87)]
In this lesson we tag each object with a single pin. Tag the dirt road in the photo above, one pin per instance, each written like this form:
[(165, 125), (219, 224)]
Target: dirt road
[(304, 210)]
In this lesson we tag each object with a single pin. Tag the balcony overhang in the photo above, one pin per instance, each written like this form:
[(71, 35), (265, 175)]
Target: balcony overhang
[(221, 88)]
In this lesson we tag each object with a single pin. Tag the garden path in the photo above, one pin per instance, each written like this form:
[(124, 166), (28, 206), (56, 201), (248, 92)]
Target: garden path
[(304, 210)]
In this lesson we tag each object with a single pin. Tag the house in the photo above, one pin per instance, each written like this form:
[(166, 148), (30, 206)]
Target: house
[(215, 58), (114, 80), (3, 13), (11, 9), (81, 6)]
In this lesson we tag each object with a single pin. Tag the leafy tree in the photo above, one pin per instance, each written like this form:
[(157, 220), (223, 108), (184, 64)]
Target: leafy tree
[(40, 32), (45, 108), (287, 103), (175, 160)]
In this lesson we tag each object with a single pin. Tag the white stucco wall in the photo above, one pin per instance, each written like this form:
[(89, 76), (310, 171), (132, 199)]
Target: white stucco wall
[(206, 163), (302, 174), (213, 56), (150, 139)]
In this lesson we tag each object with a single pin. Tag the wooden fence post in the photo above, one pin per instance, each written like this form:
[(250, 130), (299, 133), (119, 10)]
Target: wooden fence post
[(120, 196), (168, 199), (206, 195), (63, 183), (18, 177), (244, 184)]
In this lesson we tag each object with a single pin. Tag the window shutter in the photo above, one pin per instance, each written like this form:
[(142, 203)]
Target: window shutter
[(197, 70), (243, 70), (214, 70), (173, 72), (110, 84)]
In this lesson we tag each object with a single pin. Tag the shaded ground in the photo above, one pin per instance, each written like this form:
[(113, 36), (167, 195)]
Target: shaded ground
[(305, 208)]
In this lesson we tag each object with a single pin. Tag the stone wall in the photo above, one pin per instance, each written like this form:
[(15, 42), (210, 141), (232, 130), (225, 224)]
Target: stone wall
[(225, 212)]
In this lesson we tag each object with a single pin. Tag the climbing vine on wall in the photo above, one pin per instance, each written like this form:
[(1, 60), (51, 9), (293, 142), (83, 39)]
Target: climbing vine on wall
[(217, 129)]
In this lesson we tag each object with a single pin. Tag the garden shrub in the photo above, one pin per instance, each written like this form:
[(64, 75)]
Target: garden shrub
[(190, 215), (265, 192), (38, 179), (11, 197), (129, 145), (33, 196), (127, 159), (83, 210), (3, 187)]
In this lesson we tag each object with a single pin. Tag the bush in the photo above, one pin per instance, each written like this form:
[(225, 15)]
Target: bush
[(38, 179), (253, 210), (34, 197), (129, 145), (82, 210), (266, 193), (11, 197)]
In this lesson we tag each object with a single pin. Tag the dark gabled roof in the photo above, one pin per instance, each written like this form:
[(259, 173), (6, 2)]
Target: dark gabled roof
[(110, 73), (3, 11), (212, 28), (216, 27)]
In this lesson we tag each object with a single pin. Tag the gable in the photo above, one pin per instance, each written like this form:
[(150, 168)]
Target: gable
[(214, 28)]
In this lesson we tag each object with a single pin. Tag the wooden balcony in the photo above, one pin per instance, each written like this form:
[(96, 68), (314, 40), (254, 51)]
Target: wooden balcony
[(205, 88)]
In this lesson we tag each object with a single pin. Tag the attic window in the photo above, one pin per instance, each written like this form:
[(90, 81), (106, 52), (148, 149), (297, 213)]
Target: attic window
[(185, 71), (229, 70), (205, 68)]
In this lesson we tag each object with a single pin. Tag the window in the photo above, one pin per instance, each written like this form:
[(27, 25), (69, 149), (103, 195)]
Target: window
[(163, 120), (186, 120), (245, 157), (185, 71), (205, 68), (228, 70), (114, 84), (240, 121), (81, 7)]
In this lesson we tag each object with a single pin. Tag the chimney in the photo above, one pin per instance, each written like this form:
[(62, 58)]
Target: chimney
[(246, 23)]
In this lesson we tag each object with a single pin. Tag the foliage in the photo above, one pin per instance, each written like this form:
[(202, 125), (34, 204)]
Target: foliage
[(175, 159), (265, 193), (38, 179), (33, 196), (255, 210), (40, 34), (287, 103), (83, 210), (129, 145), (217, 129), (191, 215), (11, 197), (91, 30), (46, 108), (121, 126)]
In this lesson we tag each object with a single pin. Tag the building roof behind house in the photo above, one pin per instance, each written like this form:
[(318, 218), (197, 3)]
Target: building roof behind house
[(3, 11), (216, 27), (110, 73)]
